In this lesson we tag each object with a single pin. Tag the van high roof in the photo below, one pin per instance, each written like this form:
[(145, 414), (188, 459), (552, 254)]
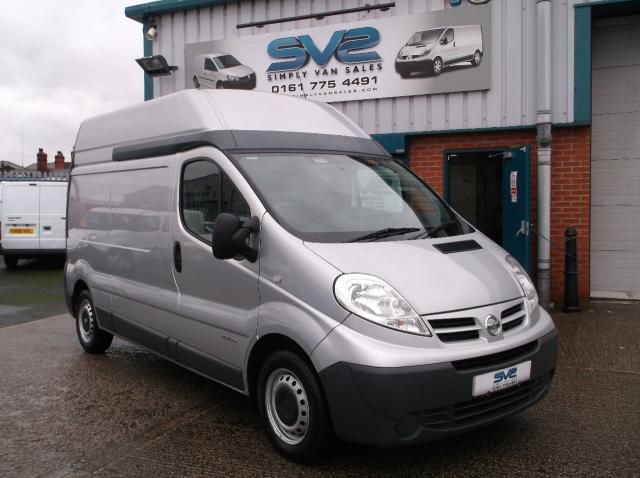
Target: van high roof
[(228, 119)]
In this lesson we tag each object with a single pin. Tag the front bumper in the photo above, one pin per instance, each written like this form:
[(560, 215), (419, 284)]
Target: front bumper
[(245, 83), (405, 405), (406, 67)]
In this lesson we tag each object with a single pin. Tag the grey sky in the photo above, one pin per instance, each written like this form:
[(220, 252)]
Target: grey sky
[(62, 61)]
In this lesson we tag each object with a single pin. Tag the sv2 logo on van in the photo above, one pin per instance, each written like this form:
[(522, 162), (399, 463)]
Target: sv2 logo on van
[(502, 375), (345, 45)]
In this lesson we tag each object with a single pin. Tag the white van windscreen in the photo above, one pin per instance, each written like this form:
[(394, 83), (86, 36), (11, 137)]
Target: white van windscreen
[(426, 37)]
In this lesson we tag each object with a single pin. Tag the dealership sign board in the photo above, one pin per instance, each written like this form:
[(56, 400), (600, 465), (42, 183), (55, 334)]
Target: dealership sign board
[(436, 52)]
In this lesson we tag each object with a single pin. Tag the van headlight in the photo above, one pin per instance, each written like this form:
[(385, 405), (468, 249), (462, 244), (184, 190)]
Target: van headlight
[(232, 78), (425, 52), (525, 282), (375, 300)]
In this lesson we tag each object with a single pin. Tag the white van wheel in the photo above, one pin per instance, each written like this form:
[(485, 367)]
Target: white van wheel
[(437, 65), (93, 339), (196, 83), (292, 407), (477, 58), (10, 261), (219, 85)]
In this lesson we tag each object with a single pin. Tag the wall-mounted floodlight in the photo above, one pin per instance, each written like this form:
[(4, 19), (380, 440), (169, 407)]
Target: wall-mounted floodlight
[(152, 32), (155, 65)]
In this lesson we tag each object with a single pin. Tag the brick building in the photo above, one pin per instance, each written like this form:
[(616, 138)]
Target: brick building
[(532, 129)]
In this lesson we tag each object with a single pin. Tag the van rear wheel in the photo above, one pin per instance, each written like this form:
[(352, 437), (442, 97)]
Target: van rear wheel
[(10, 261), (196, 82), (93, 339), (292, 407)]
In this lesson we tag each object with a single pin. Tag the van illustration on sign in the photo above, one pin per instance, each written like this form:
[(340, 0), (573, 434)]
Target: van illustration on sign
[(429, 52), (222, 70)]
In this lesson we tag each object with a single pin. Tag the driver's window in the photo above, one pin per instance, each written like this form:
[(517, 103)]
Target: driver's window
[(205, 192), (208, 65)]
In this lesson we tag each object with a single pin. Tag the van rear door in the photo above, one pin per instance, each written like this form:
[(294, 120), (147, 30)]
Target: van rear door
[(20, 216), (53, 206)]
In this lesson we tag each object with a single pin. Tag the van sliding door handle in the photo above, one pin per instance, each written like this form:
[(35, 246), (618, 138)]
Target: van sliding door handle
[(177, 257)]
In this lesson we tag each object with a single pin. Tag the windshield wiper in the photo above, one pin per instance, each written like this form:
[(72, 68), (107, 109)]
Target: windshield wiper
[(382, 233), (430, 232)]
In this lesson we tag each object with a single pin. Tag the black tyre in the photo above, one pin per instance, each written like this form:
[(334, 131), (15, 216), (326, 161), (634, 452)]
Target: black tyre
[(91, 337), (477, 58), (10, 261), (196, 83), (437, 65), (292, 407), (219, 85)]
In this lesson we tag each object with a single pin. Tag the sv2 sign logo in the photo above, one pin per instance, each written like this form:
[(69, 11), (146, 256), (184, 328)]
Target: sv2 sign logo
[(502, 376), (345, 45)]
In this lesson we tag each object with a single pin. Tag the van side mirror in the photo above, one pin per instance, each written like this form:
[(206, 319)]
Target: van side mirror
[(230, 237), (443, 41)]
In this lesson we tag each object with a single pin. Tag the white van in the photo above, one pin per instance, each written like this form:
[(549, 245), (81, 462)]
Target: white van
[(292, 259), (222, 71), (431, 51), (32, 219)]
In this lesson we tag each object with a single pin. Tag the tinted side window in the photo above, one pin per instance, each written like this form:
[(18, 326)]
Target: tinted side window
[(205, 192), (208, 65)]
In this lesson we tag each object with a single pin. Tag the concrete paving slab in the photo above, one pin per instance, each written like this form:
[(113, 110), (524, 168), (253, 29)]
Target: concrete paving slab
[(129, 413)]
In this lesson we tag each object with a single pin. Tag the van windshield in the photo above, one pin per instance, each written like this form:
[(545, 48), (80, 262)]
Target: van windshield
[(426, 37), (226, 61), (339, 198)]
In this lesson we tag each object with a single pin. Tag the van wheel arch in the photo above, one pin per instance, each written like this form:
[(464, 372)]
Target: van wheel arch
[(264, 347), (80, 287)]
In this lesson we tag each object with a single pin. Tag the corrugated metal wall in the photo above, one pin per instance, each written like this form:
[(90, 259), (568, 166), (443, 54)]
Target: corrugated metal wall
[(509, 102)]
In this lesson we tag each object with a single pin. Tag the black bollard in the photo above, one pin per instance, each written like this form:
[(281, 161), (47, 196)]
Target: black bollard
[(571, 303)]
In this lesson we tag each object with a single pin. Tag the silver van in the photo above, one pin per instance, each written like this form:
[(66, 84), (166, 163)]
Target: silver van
[(286, 255), (431, 51)]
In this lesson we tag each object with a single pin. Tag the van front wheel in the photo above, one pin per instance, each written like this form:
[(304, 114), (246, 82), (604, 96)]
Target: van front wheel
[(437, 65), (477, 58), (10, 261), (292, 407), (93, 339)]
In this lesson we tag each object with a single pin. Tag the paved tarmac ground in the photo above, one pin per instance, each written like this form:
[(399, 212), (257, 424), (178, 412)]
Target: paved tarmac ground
[(32, 291), (129, 413)]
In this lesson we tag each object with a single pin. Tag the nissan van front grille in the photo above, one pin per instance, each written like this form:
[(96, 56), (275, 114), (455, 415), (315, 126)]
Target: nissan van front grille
[(455, 329), (471, 325), (512, 317)]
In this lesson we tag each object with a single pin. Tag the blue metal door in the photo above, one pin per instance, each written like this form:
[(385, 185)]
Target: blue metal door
[(515, 203)]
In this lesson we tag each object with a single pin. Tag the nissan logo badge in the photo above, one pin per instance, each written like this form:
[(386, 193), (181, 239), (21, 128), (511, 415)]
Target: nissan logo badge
[(493, 325)]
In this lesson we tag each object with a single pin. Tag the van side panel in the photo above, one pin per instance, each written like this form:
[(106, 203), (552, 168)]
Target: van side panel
[(87, 239), (139, 254)]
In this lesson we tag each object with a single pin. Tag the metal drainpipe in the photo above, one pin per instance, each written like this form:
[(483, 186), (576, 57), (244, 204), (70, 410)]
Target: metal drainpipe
[(543, 120)]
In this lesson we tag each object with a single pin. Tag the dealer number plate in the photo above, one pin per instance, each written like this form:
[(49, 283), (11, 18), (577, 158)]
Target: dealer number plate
[(501, 379), (21, 230)]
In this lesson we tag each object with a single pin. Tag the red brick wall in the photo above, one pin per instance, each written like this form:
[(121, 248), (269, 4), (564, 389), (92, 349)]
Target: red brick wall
[(570, 185)]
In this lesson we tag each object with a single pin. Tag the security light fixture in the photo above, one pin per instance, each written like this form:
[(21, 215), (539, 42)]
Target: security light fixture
[(152, 32), (155, 65)]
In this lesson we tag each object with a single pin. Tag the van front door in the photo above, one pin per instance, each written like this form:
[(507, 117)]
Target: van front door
[(218, 299)]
